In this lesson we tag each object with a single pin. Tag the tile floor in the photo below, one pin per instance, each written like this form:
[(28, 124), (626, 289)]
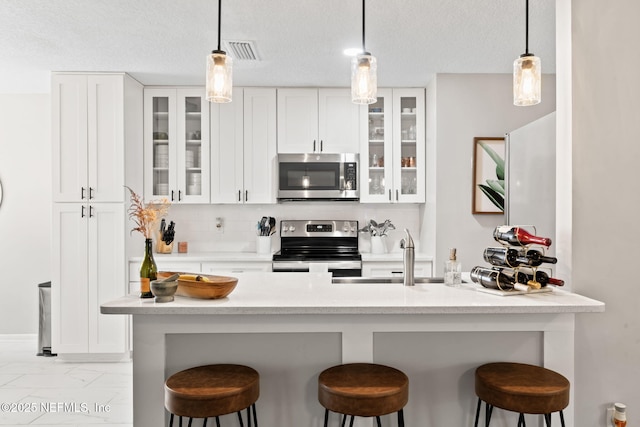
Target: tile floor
[(44, 391)]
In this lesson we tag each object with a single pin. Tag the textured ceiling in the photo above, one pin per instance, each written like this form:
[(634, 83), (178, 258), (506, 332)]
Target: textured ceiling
[(300, 43)]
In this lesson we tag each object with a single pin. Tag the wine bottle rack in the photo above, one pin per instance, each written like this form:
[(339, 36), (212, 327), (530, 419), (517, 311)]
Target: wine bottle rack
[(514, 271)]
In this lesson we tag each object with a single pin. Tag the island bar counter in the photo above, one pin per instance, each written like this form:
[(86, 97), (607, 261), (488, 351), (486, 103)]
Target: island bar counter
[(291, 326)]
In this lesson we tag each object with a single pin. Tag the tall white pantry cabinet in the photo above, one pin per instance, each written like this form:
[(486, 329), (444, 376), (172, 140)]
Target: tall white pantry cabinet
[(96, 135)]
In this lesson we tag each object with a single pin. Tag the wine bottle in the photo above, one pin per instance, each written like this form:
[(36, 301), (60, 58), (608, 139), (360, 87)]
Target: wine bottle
[(148, 270), (518, 236), (535, 258), (502, 257), (540, 277), (509, 257), (495, 279)]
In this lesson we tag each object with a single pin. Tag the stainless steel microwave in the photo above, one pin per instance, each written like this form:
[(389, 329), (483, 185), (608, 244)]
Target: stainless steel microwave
[(318, 176)]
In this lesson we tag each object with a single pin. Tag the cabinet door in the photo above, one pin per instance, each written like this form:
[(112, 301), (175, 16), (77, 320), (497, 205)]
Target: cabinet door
[(260, 145), (106, 277), (338, 121), (160, 177), (376, 152), (409, 145), (192, 146), (227, 184), (105, 100), (69, 135), (298, 121), (69, 284)]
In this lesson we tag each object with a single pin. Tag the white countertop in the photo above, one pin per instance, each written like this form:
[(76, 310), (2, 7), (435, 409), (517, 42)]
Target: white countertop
[(313, 293)]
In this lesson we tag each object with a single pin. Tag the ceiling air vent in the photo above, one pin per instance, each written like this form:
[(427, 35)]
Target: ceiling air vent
[(242, 50)]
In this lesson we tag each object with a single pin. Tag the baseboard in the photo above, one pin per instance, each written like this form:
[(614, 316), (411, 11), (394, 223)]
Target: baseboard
[(19, 338)]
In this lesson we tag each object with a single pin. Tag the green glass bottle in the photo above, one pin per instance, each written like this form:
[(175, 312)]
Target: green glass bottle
[(148, 270)]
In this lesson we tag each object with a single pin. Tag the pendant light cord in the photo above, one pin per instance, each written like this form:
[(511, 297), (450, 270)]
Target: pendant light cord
[(526, 46), (220, 20), (363, 48)]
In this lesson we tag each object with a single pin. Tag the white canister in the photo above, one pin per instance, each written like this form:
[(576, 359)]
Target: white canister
[(263, 244)]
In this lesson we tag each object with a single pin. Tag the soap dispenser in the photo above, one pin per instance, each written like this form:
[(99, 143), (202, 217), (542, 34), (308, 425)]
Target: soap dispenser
[(452, 270)]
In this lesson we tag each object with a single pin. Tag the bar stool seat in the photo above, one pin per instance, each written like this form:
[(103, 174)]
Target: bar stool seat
[(522, 388), (364, 390), (212, 391)]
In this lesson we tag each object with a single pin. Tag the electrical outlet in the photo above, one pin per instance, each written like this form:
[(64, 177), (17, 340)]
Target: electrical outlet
[(610, 411), (219, 225)]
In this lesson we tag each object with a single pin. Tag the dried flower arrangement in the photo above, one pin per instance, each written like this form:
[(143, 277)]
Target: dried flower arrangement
[(146, 216)]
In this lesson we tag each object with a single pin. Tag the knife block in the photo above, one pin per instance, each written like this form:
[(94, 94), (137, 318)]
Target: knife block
[(161, 247)]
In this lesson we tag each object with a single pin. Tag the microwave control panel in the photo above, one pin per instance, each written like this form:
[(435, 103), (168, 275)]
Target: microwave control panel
[(350, 176)]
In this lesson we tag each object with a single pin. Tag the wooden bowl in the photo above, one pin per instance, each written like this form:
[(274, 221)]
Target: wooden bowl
[(216, 286)]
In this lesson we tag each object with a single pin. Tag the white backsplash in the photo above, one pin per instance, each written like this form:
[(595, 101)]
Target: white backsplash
[(196, 224)]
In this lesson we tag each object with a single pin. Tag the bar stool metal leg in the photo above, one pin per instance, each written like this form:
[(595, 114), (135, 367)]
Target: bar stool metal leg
[(400, 418), (255, 417), (217, 421), (378, 421), (561, 418), (521, 421), (240, 418)]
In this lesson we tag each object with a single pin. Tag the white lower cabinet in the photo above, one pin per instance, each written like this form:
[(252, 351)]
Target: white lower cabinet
[(88, 270), (395, 268)]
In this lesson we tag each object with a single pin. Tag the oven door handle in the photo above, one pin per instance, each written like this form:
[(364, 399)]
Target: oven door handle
[(304, 265)]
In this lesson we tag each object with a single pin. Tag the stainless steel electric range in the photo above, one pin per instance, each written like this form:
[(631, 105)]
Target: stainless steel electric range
[(312, 245)]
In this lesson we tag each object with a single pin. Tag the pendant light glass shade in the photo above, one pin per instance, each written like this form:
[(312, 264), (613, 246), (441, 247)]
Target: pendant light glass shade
[(219, 77), (527, 81), (527, 72), (364, 79)]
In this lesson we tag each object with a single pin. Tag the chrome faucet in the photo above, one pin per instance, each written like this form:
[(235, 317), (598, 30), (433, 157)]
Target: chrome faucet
[(408, 260)]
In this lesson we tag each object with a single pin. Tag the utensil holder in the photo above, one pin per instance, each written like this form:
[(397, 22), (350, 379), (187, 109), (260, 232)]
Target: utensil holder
[(263, 244)]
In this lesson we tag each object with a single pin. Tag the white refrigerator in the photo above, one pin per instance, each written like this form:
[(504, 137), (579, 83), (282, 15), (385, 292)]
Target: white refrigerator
[(530, 178)]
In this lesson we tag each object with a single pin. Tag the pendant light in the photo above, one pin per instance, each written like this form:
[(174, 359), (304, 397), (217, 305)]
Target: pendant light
[(526, 74), (364, 80), (219, 82)]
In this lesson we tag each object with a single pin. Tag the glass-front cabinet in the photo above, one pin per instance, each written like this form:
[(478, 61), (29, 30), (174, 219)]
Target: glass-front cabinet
[(392, 153), (176, 159)]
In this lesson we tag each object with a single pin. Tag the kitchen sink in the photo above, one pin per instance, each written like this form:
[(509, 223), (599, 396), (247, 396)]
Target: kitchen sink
[(365, 280)]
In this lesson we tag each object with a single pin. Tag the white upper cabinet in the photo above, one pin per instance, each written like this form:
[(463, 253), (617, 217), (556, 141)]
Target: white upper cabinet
[(392, 154), (243, 144), (88, 137), (317, 120), (176, 136)]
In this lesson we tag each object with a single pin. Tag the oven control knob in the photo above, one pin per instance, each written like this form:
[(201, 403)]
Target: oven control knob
[(292, 228), (345, 228), (353, 229)]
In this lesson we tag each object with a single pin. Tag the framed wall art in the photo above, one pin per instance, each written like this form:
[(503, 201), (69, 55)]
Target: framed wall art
[(488, 175)]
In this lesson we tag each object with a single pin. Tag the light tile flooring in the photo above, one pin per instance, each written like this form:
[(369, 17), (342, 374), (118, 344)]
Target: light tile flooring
[(45, 391)]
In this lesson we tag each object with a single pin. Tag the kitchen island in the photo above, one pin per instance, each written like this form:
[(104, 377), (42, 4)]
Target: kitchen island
[(291, 326)]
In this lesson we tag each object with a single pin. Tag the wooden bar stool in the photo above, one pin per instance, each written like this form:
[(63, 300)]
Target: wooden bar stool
[(212, 391), (363, 390), (517, 387)]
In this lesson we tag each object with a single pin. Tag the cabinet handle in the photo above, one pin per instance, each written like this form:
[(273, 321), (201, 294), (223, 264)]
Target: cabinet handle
[(314, 145), (90, 211), (239, 195), (179, 195), (172, 195), (389, 194), (90, 193), (82, 193), (246, 195), (82, 212), (396, 195), (321, 145)]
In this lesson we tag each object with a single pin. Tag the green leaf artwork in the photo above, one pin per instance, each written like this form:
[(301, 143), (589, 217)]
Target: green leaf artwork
[(494, 188)]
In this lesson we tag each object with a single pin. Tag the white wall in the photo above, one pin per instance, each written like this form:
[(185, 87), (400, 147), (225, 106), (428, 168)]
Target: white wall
[(25, 213), (606, 200), (470, 105)]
